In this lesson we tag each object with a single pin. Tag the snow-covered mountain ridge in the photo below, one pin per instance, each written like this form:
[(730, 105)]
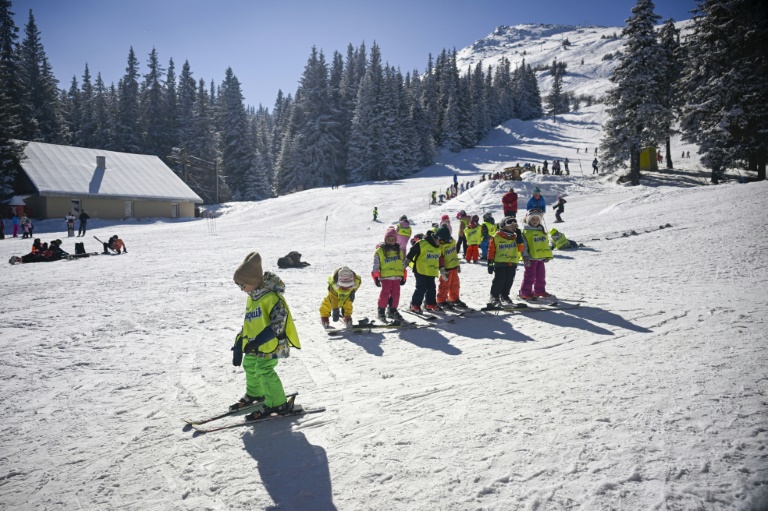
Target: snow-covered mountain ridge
[(589, 68)]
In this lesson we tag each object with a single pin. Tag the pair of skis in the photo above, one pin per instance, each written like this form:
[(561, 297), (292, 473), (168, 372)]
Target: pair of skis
[(295, 410)]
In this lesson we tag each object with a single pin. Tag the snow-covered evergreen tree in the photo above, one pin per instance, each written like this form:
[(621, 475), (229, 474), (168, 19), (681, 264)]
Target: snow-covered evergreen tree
[(170, 112), (236, 148), (636, 107), (557, 100), (127, 132), (669, 39), (187, 94), (85, 134), (10, 98), (726, 110), (102, 121), (153, 119), (41, 117), (364, 162)]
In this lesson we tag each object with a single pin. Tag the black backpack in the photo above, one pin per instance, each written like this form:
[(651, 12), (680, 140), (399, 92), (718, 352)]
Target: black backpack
[(79, 248)]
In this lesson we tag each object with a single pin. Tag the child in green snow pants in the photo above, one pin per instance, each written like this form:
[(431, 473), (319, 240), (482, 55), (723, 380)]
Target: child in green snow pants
[(262, 380)]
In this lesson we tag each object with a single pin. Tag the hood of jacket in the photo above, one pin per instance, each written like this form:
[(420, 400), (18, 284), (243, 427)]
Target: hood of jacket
[(271, 283)]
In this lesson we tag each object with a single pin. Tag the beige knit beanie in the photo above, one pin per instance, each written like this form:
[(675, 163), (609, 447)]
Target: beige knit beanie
[(249, 272)]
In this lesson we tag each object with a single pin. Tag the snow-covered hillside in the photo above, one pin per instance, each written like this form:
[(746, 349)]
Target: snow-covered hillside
[(589, 68), (651, 395)]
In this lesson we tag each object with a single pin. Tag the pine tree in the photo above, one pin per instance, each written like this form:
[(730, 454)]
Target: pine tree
[(153, 120), (236, 148), (635, 106), (364, 161), (187, 94), (170, 112), (726, 110), (101, 119), (10, 99), (41, 118), (127, 131), (669, 39), (84, 137)]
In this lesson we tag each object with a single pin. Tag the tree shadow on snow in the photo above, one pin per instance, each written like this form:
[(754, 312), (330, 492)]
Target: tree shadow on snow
[(294, 472)]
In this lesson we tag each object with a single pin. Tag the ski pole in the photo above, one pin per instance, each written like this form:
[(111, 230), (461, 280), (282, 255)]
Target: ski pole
[(325, 230)]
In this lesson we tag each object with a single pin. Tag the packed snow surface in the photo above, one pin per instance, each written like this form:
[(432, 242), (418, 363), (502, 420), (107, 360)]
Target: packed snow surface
[(650, 395)]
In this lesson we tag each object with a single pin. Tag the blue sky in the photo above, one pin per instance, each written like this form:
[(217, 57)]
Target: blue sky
[(267, 43)]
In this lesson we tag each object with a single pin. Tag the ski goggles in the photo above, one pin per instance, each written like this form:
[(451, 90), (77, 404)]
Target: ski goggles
[(509, 221)]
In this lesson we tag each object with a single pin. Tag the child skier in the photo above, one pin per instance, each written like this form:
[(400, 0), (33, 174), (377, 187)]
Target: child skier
[(267, 335), (403, 232), (487, 230), (463, 218), (375, 213), (474, 236), (536, 253), (559, 207), (449, 284), (389, 274), (503, 255), (341, 293), (425, 255)]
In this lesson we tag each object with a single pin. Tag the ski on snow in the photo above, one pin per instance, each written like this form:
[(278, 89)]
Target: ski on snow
[(366, 326), (232, 413), (297, 411)]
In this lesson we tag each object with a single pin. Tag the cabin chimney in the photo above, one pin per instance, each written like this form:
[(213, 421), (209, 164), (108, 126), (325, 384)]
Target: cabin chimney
[(101, 162)]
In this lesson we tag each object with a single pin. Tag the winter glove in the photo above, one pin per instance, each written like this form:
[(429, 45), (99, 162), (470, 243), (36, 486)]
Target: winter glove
[(526, 261), (402, 281), (443, 275), (377, 281), (335, 314), (458, 269), (348, 321), (237, 350), (490, 267)]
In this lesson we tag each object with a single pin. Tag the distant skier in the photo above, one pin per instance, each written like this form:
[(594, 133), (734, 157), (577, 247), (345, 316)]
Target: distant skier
[(70, 219), (83, 223), (509, 203), (403, 228), (559, 208), (594, 166)]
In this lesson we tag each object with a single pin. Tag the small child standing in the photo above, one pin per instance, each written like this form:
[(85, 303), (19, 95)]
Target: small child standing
[(389, 274), (341, 293), (425, 255), (403, 232), (487, 231), (375, 213), (449, 285), (267, 335), (503, 255), (473, 234), (536, 253)]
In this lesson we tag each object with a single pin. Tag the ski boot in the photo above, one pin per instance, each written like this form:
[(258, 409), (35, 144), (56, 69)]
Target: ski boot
[(382, 315), (244, 401)]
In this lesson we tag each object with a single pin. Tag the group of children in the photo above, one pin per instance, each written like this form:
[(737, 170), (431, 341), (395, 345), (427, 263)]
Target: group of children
[(434, 259), (268, 331)]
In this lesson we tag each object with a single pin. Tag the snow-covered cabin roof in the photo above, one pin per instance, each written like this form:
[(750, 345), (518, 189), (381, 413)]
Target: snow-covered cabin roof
[(59, 170)]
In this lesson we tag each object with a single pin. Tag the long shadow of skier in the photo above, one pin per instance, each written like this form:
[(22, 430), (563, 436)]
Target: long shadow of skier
[(583, 318), (490, 327), (428, 338), (294, 472)]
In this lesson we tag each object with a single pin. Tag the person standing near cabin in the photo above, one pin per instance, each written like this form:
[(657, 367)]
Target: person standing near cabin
[(83, 223), (15, 223), (70, 218)]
